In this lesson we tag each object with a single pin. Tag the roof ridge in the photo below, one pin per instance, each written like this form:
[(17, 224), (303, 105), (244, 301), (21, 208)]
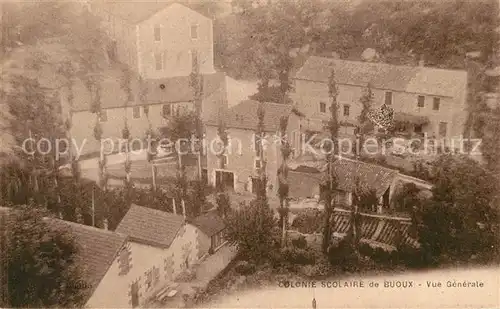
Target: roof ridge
[(258, 102), (87, 227), (370, 164), (386, 64), (157, 211)]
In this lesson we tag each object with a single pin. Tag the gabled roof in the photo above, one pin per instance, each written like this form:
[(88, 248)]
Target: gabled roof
[(418, 79), (150, 226), (244, 115), (174, 89), (209, 223), (136, 12), (98, 249)]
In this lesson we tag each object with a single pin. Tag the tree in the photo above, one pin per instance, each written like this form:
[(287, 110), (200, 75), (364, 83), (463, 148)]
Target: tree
[(360, 196), (196, 83), (259, 145), (222, 198), (197, 197), (180, 128), (364, 123), (330, 186), (252, 228), (223, 204), (42, 263), (407, 198), (35, 122), (126, 87), (282, 175), (461, 217)]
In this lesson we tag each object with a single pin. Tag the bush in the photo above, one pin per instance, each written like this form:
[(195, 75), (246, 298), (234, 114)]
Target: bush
[(321, 269), (308, 221), (297, 256), (245, 268), (366, 250), (254, 231), (413, 257), (300, 242), (343, 255), (384, 257)]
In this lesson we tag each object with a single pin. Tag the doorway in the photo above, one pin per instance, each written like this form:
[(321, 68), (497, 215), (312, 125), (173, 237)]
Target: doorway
[(224, 180)]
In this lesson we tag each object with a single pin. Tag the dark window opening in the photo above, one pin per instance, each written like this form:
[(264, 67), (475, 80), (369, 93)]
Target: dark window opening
[(388, 98), (436, 103), (322, 107), (421, 101)]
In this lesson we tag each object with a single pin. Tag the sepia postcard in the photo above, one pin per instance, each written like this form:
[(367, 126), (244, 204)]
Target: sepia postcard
[(250, 154)]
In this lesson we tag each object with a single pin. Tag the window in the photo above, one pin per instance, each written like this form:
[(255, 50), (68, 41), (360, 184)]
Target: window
[(443, 128), (346, 110), (388, 98), (257, 163), (104, 116), (136, 112), (225, 160), (322, 107), (194, 59), (166, 110), (157, 33), (145, 109), (421, 101), (436, 103), (158, 62), (194, 31)]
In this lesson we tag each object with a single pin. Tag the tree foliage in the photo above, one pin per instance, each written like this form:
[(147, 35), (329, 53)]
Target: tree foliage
[(42, 263), (282, 176), (407, 198), (253, 229), (265, 42), (460, 219), (331, 183)]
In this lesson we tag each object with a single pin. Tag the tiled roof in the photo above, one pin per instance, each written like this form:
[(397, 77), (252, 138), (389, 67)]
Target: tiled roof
[(303, 183), (136, 11), (98, 249), (244, 115), (370, 175), (150, 226), (405, 117), (209, 223), (422, 80), (176, 89)]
